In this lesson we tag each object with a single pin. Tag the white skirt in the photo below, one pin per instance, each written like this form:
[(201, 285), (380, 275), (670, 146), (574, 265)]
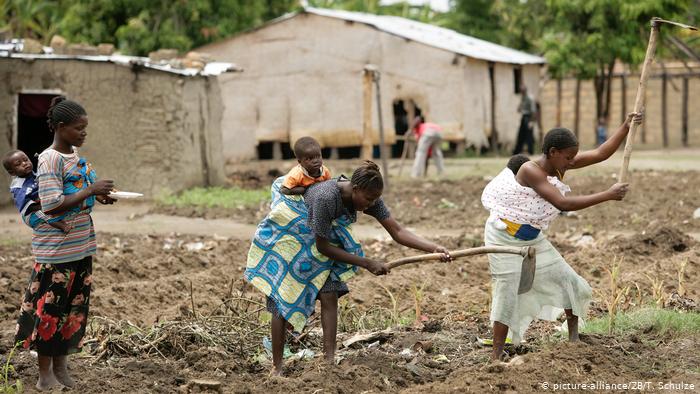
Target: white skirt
[(556, 286)]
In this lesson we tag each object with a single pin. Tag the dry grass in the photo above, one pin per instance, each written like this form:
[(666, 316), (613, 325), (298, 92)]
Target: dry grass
[(234, 327)]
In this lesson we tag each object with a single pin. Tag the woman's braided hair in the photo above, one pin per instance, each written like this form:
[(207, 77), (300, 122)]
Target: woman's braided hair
[(368, 177), (63, 111), (558, 138)]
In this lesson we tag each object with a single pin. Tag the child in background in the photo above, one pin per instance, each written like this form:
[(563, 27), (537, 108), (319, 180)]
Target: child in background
[(522, 205), (310, 169), (25, 191)]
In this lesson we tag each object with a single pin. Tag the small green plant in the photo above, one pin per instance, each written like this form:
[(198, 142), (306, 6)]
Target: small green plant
[(8, 368), (616, 294), (681, 274), (640, 295), (217, 197), (418, 299), (394, 306), (11, 242), (657, 290)]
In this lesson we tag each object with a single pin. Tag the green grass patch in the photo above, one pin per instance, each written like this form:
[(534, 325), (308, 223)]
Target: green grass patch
[(662, 321), (217, 197), (11, 242)]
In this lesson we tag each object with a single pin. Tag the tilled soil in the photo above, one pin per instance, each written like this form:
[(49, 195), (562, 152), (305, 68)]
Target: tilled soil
[(148, 279), (656, 198), (145, 279)]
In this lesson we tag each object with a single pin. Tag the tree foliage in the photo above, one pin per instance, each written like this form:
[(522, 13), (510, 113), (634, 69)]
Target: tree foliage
[(576, 36), (585, 38), (139, 26)]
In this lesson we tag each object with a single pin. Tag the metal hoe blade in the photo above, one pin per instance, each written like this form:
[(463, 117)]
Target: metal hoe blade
[(527, 273)]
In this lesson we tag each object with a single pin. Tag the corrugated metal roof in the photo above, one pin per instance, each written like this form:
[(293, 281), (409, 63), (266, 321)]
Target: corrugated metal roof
[(210, 69), (432, 35)]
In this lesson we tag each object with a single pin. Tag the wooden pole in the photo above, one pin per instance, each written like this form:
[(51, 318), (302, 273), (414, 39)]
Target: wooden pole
[(643, 126), (523, 251), (558, 102), (684, 127), (367, 115), (406, 140), (382, 145), (494, 133), (639, 100), (577, 102), (623, 93), (664, 101)]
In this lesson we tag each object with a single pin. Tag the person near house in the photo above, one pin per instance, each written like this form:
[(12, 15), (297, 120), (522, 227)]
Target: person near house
[(310, 169), (25, 191), (522, 204), (527, 110), (601, 132), (429, 137), (304, 251), (53, 314)]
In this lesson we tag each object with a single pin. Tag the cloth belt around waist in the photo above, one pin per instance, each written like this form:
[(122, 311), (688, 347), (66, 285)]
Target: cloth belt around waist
[(523, 232)]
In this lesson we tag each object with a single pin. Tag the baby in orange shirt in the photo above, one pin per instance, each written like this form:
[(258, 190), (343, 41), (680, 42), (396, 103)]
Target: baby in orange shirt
[(310, 169)]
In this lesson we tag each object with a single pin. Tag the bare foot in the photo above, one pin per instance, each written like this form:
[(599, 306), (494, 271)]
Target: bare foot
[(46, 382), (276, 372), (60, 370)]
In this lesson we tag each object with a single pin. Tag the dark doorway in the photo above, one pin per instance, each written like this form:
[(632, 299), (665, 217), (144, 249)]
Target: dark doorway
[(287, 151), (349, 152), (265, 150), (33, 134), (517, 79), (326, 152), (400, 126)]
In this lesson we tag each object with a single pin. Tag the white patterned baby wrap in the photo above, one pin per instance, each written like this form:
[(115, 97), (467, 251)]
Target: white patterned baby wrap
[(505, 198)]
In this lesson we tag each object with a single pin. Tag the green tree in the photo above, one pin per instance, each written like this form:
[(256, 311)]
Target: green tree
[(477, 18), (30, 18), (138, 26), (585, 38)]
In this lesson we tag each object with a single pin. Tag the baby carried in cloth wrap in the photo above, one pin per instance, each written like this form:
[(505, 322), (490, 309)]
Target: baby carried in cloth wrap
[(285, 265), (517, 217)]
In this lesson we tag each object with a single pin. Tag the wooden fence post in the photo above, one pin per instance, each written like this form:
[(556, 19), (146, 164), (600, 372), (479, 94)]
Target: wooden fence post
[(367, 147), (664, 117), (684, 127), (577, 105)]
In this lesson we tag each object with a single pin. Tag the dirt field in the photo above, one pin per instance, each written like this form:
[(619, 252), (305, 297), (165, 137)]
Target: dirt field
[(652, 235)]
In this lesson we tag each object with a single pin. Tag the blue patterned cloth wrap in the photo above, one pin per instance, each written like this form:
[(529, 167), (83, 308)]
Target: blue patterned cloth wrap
[(283, 261)]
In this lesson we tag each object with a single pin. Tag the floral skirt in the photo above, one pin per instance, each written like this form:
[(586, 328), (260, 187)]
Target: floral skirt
[(55, 307)]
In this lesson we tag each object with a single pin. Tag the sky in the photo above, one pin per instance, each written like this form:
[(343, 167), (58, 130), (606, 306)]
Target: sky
[(437, 5)]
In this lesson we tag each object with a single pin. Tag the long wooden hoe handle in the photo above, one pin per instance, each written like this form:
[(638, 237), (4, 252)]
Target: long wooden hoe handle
[(462, 253), (639, 100)]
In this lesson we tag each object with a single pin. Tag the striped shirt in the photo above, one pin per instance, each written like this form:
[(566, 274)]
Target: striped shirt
[(60, 175)]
